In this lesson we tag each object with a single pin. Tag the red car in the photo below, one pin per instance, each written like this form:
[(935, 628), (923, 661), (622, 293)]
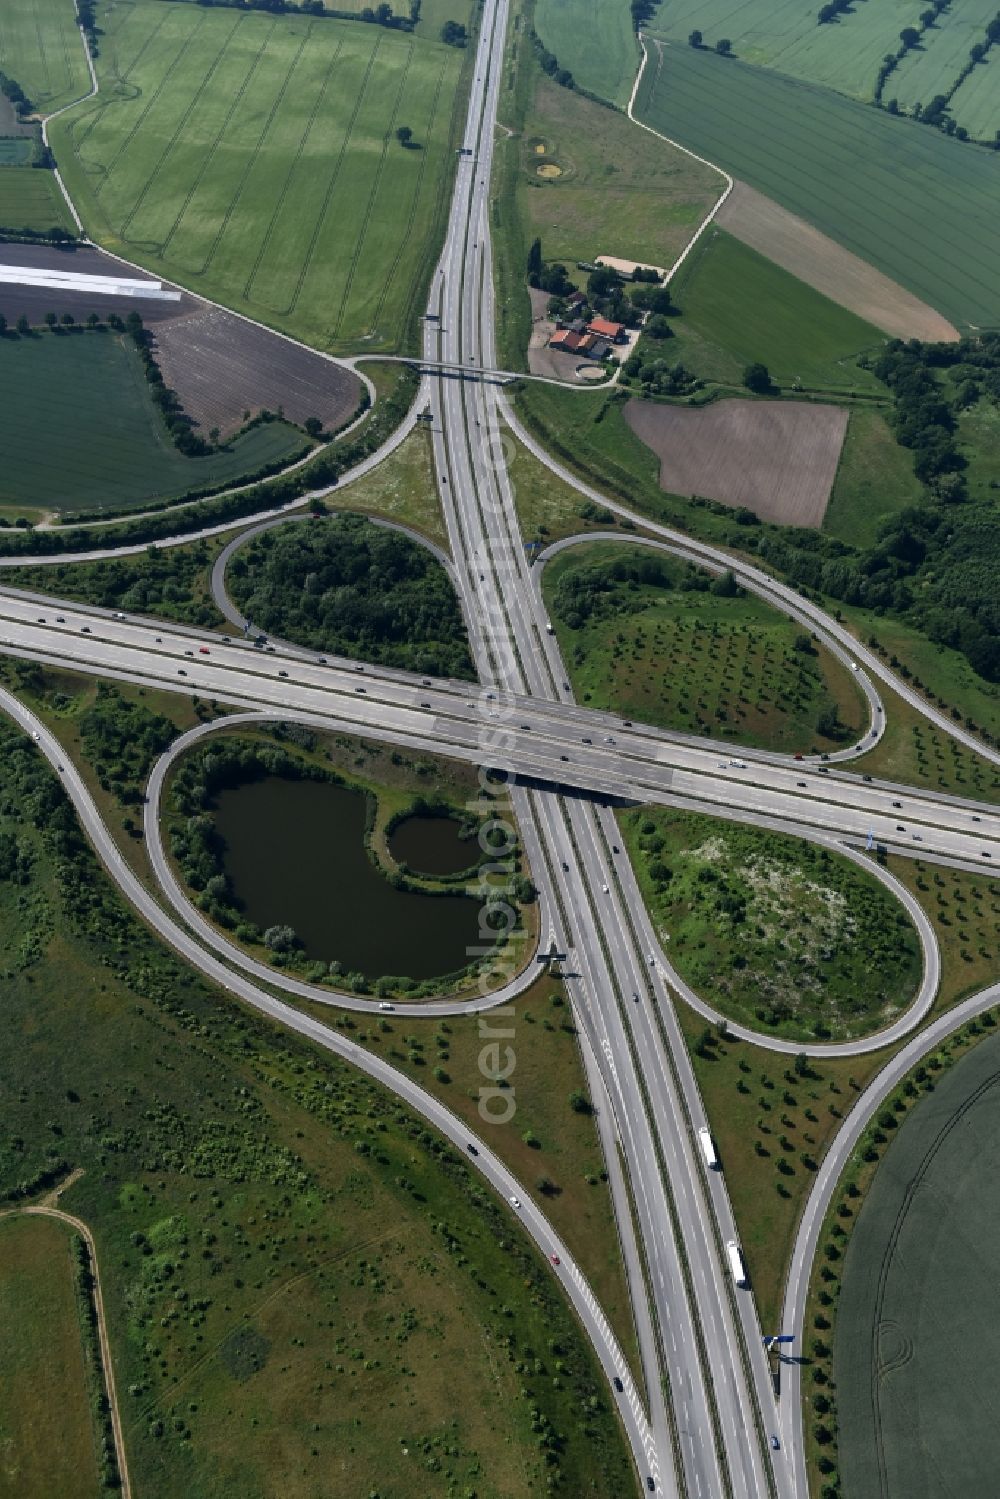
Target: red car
[(554, 1258), (203, 650)]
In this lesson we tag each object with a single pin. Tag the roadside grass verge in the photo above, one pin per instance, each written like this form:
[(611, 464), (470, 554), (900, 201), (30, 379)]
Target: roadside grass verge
[(550, 1140), (874, 479), (403, 488), (772, 931), (664, 642), (941, 674), (244, 1190), (917, 753), (48, 1437), (113, 449), (254, 159)]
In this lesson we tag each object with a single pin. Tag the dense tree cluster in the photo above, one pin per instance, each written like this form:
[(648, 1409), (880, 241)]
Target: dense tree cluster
[(347, 586), (122, 739)]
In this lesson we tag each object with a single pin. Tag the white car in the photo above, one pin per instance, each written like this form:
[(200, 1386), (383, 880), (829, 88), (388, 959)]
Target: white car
[(384, 1005), (515, 1202), (605, 889)]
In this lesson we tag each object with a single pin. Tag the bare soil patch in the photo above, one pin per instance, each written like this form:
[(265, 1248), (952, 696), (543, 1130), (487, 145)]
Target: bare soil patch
[(223, 367), (220, 365), (816, 259), (778, 458)]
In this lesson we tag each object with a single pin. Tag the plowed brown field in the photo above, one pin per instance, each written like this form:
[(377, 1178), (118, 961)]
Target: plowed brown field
[(778, 458)]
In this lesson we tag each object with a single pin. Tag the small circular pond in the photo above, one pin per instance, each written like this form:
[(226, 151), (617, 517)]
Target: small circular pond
[(295, 855), (432, 845)]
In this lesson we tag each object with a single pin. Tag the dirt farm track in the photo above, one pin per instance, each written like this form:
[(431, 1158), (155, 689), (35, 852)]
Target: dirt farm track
[(778, 458)]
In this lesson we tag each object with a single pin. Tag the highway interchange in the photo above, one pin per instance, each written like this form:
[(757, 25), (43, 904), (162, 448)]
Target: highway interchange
[(703, 1426)]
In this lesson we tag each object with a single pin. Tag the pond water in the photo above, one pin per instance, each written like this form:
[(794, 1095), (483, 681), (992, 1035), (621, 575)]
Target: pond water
[(295, 855), (431, 845)]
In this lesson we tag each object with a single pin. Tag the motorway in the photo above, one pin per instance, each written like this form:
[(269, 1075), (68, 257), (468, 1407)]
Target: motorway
[(550, 739), (711, 1403)]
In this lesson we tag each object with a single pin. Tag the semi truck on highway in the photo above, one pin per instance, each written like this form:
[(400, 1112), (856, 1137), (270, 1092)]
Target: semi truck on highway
[(736, 1265), (708, 1149)]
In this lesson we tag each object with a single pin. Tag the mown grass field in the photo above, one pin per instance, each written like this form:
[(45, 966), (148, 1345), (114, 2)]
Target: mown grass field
[(78, 429), (294, 1267), (30, 199), (857, 174), (783, 35), (737, 308), (771, 930), (595, 41), (46, 1436), (914, 1328), (874, 479), (254, 159), (673, 653), (41, 47)]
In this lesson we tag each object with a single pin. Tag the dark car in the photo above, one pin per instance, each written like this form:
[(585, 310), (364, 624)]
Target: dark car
[(618, 1384), (472, 1150)]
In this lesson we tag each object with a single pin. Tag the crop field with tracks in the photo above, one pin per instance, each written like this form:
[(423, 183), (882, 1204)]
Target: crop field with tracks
[(254, 159), (31, 199), (856, 173), (784, 35), (41, 47), (594, 40), (916, 1322)]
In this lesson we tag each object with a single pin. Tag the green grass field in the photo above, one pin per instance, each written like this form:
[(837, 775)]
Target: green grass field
[(859, 175), (660, 652), (621, 191), (41, 47), (14, 152), (914, 1329), (46, 1437), (783, 35), (30, 199), (78, 429), (874, 479), (254, 159), (772, 931), (294, 1267), (738, 307), (594, 39)]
